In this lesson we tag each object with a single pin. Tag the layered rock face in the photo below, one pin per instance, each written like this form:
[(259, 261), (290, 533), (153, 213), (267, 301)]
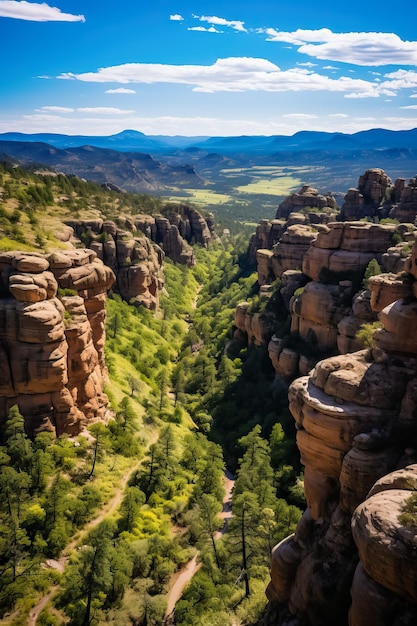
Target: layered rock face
[(135, 260), (52, 333), (406, 208), (374, 187), (306, 197), (356, 419)]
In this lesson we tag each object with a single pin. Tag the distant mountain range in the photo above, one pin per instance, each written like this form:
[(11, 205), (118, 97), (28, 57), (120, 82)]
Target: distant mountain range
[(133, 141), (159, 164), (131, 171)]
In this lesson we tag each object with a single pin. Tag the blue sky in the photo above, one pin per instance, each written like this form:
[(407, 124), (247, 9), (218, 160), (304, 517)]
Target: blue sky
[(175, 67)]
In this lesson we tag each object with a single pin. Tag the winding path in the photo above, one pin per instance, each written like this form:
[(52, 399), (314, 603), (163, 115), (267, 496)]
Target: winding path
[(60, 563), (181, 579)]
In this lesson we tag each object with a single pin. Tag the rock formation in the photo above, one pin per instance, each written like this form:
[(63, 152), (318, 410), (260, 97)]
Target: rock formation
[(135, 260), (307, 197), (406, 208), (135, 247), (52, 332), (374, 189), (356, 419)]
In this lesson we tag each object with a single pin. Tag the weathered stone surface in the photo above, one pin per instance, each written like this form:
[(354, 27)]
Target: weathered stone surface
[(386, 288), (406, 209), (264, 262), (374, 187), (240, 315), (306, 197), (52, 348), (345, 249), (386, 547), (374, 605), (285, 559), (289, 252), (400, 323), (266, 236), (135, 260), (356, 420)]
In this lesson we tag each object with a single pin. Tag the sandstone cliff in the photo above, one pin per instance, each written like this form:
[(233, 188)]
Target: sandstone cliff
[(52, 332), (374, 190), (307, 197), (356, 419), (135, 260)]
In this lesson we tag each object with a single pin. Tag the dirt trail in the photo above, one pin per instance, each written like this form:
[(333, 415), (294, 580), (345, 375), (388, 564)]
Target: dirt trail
[(180, 580), (60, 563)]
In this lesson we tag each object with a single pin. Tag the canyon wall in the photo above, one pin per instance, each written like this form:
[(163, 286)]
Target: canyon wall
[(52, 333), (318, 265), (135, 247), (352, 559)]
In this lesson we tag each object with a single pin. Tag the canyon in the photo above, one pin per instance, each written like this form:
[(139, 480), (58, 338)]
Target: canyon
[(353, 401)]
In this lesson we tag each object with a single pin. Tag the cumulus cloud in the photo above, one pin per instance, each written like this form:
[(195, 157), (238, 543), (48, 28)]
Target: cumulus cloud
[(221, 21), (176, 18), (365, 49), (401, 79), (34, 12), (203, 29), (233, 74), (120, 90)]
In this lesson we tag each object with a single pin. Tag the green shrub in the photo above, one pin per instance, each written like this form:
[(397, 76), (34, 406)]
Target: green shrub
[(408, 515), (373, 269), (365, 334)]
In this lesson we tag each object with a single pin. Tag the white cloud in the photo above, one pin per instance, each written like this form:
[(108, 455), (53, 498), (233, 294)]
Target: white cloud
[(330, 67), (401, 79), (104, 110), (307, 64), (366, 49), (221, 21), (120, 90), (56, 109), (410, 106), (34, 12), (362, 94), (341, 115), (233, 74), (203, 29), (300, 116), (176, 18), (413, 95)]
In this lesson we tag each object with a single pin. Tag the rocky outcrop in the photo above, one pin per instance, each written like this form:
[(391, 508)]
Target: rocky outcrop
[(384, 588), (406, 208), (374, 189), (356, 420), (343, 250), (307, 197), (135, 260), (257, 326), (267, 234), (52, 332)]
